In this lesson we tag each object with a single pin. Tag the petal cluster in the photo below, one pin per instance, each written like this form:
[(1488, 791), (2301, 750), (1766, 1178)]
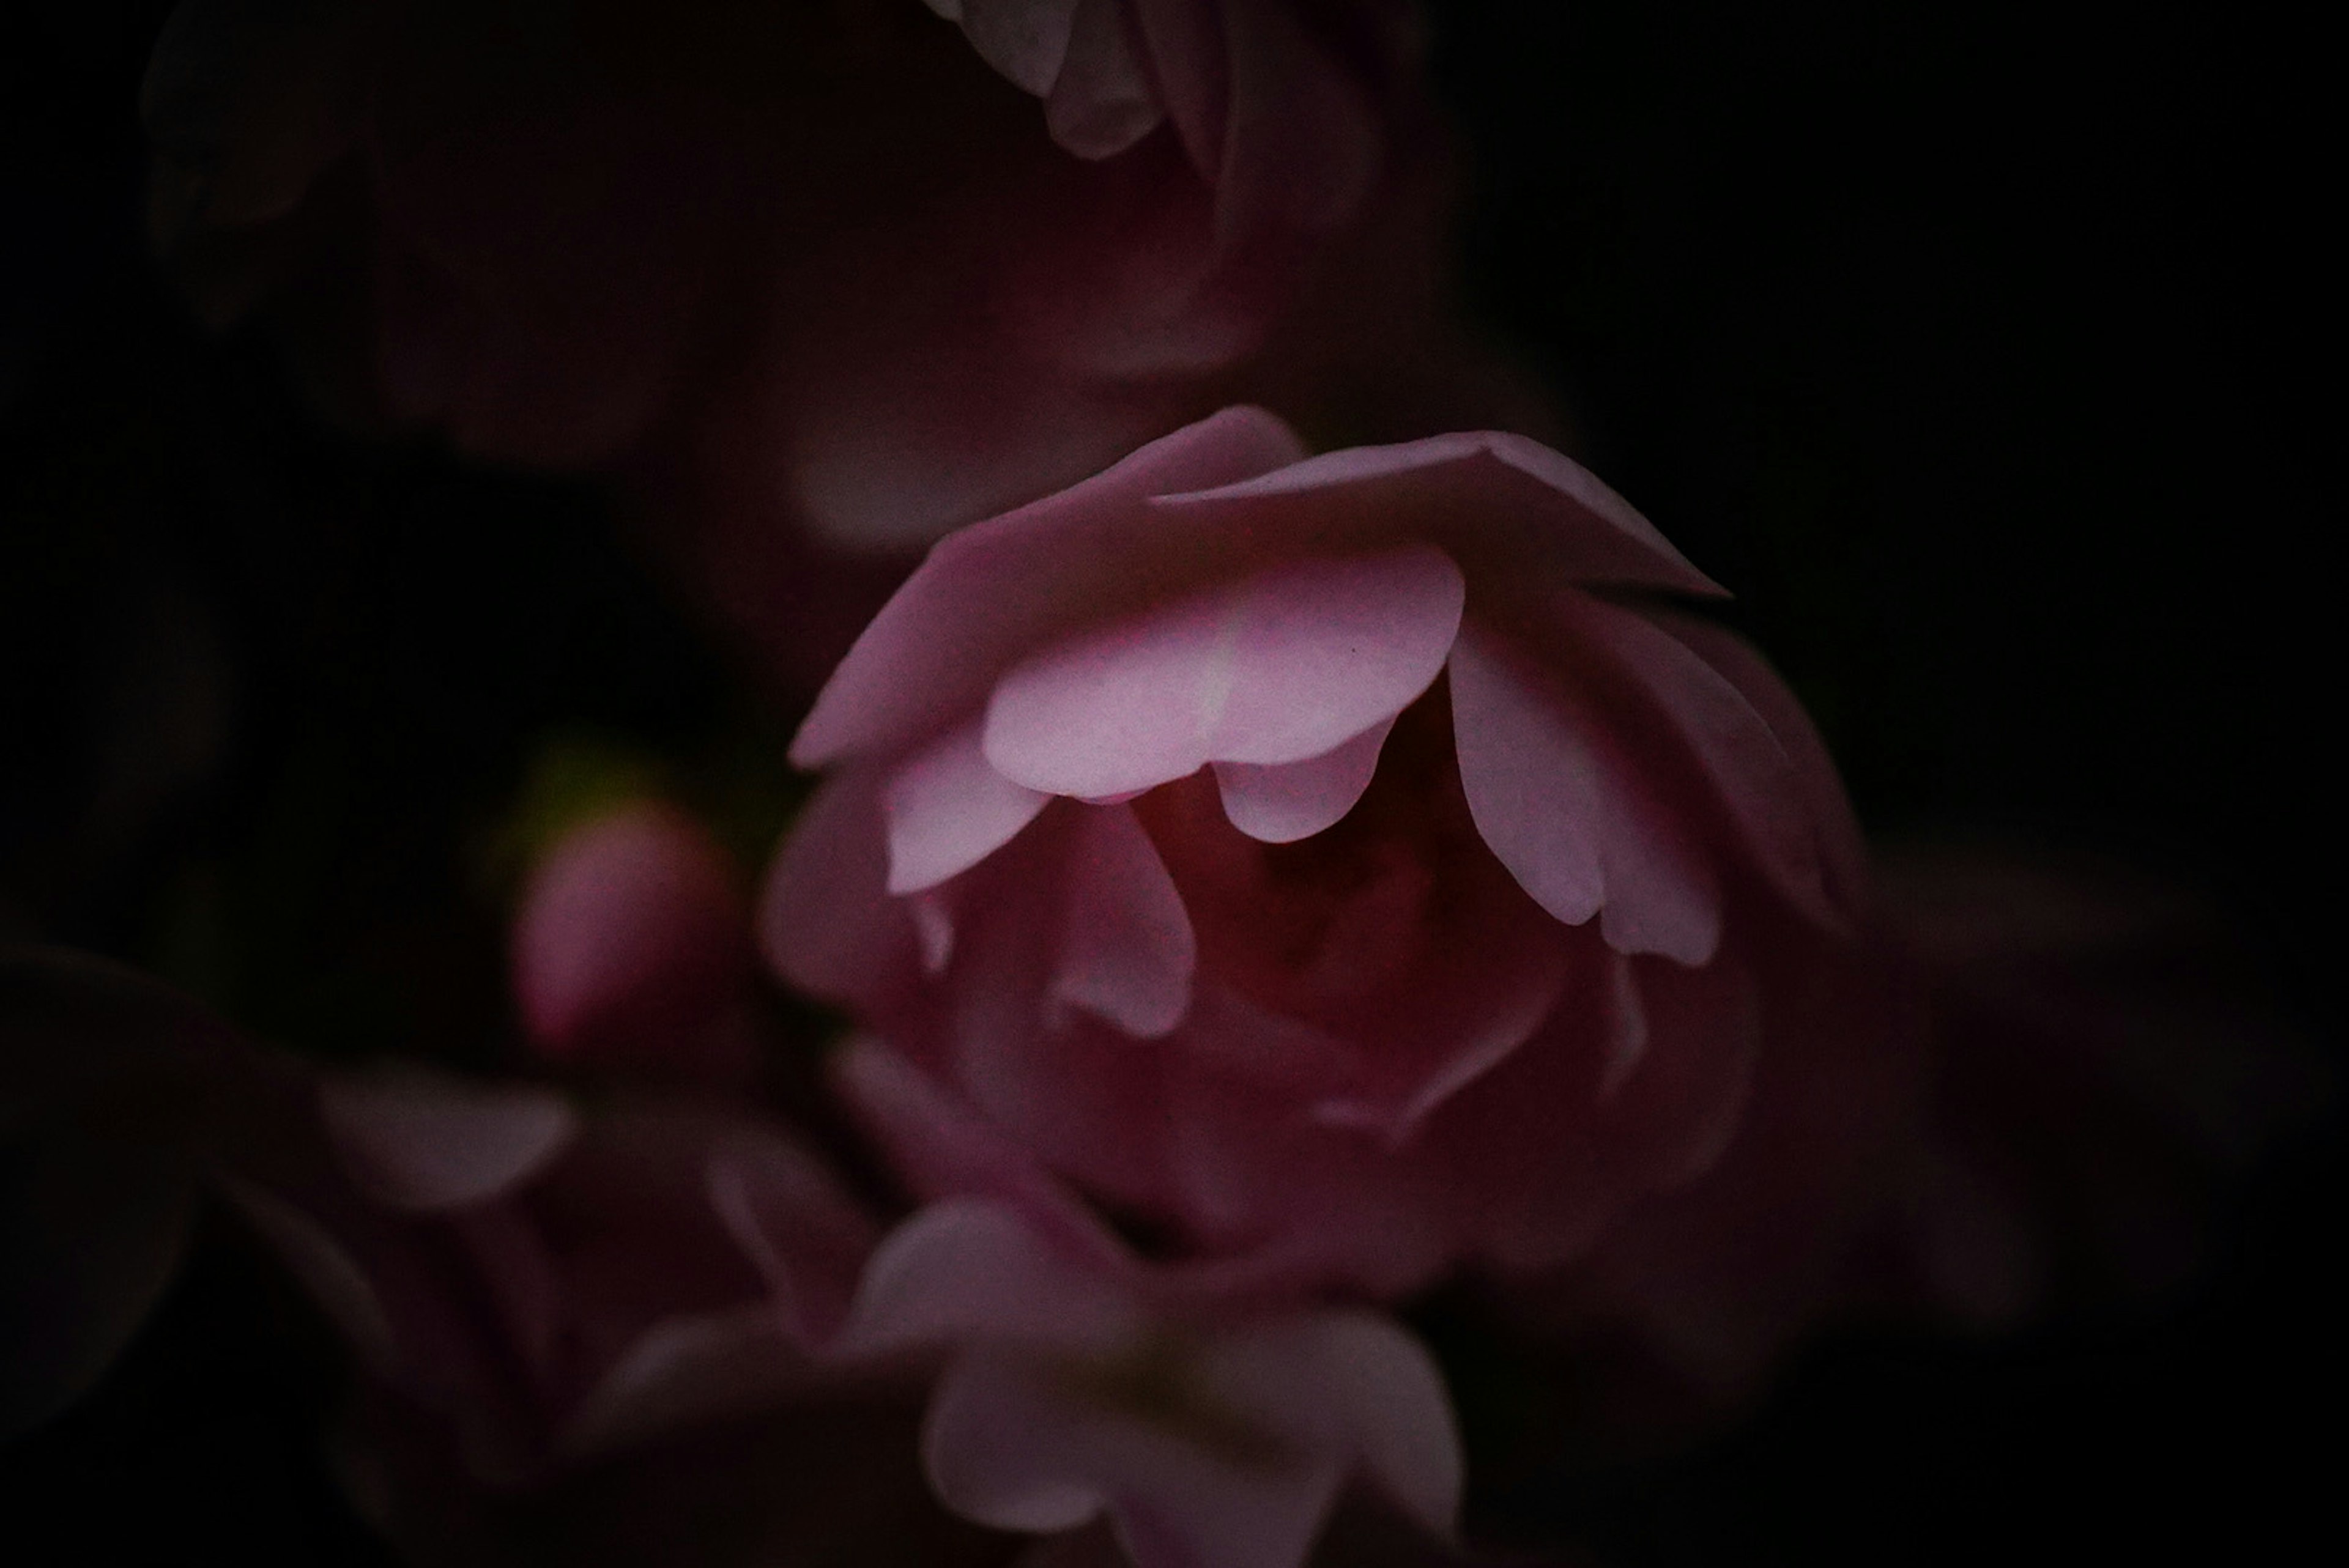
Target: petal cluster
[(1338, 859)]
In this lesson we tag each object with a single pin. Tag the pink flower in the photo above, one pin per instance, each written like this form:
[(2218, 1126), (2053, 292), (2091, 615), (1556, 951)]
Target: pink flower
[(632, 950), (552, 1285), (1339, 862), (1071, 1394)]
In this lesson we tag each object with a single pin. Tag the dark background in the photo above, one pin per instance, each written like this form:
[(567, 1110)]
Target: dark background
[(1981, 351)]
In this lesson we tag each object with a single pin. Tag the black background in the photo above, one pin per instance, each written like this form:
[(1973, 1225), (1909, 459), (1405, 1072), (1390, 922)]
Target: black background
[(1984, 352)]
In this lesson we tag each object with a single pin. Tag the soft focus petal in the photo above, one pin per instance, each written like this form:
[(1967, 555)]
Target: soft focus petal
[(1024, 39), (1104, 102), (1566, 812), (1276, 668), (967, 1268), (826, 921), (420, 1142)]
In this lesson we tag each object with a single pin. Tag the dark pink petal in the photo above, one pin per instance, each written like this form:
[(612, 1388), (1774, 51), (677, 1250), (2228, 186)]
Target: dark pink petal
[(992, 591), (947, 810), (1502, 505), (1279, 803), (1024, 39), (686, 1371), (1841, 853), (1577, 821), (1281, 667), (420, 1142), (1104, 101), (826, 921), (1190, 59), (790, 1216), (1768, 799), (1127, 953)]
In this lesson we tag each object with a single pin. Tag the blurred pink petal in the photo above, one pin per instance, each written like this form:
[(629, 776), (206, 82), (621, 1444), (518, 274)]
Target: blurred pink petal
[(417, 1142), (1066, 1396)]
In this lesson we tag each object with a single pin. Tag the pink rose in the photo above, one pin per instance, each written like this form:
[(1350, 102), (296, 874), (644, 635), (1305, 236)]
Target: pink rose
[(1340, 864)]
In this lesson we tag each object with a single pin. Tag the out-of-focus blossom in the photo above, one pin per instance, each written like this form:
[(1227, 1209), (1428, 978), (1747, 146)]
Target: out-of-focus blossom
[(631, 951), (816, 270), (1332, 861), (1069, 1395), (554, 1283)]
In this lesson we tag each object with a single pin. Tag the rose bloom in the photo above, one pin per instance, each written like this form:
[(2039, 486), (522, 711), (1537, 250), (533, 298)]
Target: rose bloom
[(1338, 866)]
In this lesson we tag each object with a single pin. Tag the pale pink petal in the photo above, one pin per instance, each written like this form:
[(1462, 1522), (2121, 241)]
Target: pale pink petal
[(1104, 101), (1282, 802), (1278, 667), (422, 1142), (1841, 853), (990, 593), (1577, 823), (947, 810), (826, 922), (1024, 39), (1505, 507), (1127, 952)]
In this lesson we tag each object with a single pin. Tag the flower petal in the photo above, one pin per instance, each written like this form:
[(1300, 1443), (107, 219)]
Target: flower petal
[(420, 1142), (826, 922), (1502, 504), (947, 810), (1282, 802), (1127, 953), (1280, 666), (1024, 39), (1580, 829), (997, 589), (1104, 101)]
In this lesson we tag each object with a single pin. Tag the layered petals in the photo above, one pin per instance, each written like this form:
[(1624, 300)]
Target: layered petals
[(1341, 867)]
